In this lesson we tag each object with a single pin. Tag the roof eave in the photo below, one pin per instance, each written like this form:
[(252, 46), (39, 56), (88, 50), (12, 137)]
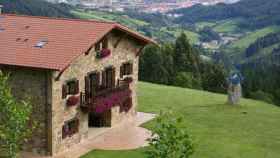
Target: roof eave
[(136, 35)]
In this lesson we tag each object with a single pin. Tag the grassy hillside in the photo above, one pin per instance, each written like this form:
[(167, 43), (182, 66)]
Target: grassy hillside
[(228, 26), (257, 13), (250, 130), (160, 32), (192, 36), (105, 16), (245, 41)]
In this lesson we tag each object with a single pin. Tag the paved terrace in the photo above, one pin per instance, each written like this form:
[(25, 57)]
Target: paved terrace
[(129, 135)]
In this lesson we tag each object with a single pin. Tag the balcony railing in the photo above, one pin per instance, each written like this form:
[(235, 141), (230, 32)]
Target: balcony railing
[(105, 99)]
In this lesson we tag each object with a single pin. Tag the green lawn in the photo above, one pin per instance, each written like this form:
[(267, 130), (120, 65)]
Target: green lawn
[(106, 16), (192, 36), (227, 26), (251, 130), (201, 25)]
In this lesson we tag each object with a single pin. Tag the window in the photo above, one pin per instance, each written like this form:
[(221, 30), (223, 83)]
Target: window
[(103, 44), (70, 128), (41, 43), (92, 83), (108, 78), (70, 88), (126, 69)]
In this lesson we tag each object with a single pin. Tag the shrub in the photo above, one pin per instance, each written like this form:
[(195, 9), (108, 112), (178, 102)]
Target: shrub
[(184, 79), (260, 95), (187, 80), (169, 140), (277, 97)]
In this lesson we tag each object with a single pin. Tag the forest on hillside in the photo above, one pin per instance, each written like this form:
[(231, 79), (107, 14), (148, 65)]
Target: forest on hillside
[(258, 13)]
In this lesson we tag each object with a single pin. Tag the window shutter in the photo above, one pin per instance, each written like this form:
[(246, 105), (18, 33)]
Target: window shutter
[(87, 87), (131, 68), (105, 43), (98, 81), (77, 88), (64, 91), (63, 132), (127, 68), (121, 71), (113, 77), (104, 79), (97, 46)]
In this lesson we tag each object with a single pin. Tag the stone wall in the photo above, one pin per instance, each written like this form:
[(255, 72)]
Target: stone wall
[(124, 52), (33, 84)]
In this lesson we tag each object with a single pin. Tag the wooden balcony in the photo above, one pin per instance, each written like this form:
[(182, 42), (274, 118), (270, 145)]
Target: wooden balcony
[(105, 99)]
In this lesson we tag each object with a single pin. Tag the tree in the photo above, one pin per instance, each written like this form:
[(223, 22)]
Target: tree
[(182, 54), (169, 139), (208, 35), (179, 64), (14, 120), (186, 58), (168, 61), (152, 67), (213, 77)]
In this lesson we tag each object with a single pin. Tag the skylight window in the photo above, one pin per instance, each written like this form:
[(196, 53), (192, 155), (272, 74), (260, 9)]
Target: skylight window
[(2, 29), (41, 44)]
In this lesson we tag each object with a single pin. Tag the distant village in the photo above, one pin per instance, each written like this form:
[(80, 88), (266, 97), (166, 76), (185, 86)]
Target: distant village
[(148, 6)]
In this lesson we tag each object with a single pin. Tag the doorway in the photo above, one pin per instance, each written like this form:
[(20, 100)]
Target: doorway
[(100, 120)]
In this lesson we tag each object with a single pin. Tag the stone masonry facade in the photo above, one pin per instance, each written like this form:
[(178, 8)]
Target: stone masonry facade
[(33, 85), (44, 87)]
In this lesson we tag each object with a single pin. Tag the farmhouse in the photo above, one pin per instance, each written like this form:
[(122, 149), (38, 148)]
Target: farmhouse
[(79, 75)]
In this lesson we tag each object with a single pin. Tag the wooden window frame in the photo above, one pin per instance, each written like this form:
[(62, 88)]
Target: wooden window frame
[(126, 69), (71, 87), (102, 44), (70, 128), (106, 83), (91, 88)]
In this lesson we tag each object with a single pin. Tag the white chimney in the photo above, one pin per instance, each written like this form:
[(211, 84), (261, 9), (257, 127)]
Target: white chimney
[(1, 9)]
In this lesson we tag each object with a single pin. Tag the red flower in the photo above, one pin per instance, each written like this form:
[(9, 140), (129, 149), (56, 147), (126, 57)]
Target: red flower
[(106, 103), (73, 100), (103, 53)]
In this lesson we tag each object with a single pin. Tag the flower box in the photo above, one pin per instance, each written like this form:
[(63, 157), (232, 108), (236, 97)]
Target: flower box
[(103, 104), (73, 101), (103, 53)]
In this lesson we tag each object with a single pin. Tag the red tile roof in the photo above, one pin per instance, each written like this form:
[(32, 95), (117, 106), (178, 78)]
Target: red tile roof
[(66, 40)]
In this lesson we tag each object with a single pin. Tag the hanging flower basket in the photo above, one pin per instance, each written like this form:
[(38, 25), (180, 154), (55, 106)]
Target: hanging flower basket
[(73, 101), (103, 53)]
